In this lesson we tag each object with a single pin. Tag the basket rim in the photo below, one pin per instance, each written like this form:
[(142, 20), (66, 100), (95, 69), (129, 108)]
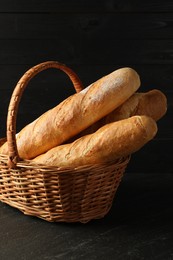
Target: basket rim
[(30, 165)]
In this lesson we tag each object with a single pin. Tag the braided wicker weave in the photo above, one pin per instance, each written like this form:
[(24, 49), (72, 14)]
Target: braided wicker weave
[(51, 193)]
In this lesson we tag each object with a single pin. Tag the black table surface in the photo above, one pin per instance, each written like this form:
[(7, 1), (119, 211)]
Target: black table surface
[(138, 226)]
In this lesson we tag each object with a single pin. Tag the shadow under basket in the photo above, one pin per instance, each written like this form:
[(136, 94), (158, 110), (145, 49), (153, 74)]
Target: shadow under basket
[(55, 194)]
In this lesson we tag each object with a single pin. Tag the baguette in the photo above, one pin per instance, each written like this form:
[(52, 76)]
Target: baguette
[(110, 142), (75, 113), (152, 103)]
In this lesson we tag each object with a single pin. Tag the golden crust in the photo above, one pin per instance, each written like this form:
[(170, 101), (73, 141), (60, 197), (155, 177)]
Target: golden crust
[(76, 113), (110, 142)]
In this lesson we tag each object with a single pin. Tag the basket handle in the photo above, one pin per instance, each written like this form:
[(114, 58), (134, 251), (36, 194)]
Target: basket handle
[(13, 155)]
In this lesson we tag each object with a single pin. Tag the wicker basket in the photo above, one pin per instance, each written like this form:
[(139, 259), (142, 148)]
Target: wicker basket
[(51, 193)]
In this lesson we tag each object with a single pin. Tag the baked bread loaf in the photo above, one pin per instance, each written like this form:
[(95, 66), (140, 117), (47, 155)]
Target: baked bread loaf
[(75, 113), (152, 103), (110, 142)]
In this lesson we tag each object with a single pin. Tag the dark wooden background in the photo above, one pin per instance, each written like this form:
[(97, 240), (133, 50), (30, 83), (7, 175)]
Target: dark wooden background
[(93, 37)]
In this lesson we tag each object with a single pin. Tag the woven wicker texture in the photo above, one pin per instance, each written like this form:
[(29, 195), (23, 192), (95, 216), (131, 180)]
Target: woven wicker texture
[(51, 193)]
